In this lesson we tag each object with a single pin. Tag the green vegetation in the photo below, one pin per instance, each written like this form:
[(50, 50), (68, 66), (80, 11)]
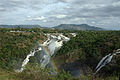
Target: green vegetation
[(14, 46), (87, 48), (34, 72)]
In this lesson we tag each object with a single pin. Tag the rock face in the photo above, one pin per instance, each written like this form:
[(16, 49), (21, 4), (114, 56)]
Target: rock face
[(76, 27)]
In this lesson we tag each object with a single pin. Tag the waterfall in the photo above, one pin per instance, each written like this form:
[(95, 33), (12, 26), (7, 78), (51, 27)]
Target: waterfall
[(55, 41), (105, 60), (27, 59), (47, 49), (44, 61)]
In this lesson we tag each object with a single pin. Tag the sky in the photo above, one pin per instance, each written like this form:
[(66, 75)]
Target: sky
[(48, 13)]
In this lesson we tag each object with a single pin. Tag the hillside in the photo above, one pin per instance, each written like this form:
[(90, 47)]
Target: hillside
[(14, 46), (86, 49), (59, 27), (76, 27)]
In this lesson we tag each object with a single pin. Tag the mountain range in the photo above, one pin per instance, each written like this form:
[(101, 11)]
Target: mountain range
[(22, 26), (76, 27), (60, 27)]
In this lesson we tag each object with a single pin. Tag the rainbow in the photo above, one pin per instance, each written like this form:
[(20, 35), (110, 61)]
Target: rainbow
[(52, 62)]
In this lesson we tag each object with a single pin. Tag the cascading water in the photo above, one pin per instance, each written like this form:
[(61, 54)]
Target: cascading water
[(105, 60), (47, 49), (55, 42), (27, 58)]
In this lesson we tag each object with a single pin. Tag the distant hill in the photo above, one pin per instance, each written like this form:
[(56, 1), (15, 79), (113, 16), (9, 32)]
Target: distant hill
[(76, 27), (22, 26), (60, 27)]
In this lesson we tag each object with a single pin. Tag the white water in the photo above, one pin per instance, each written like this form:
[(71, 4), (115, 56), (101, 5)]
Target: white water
[(27, 59), (44, 61), (73, 34), (105, 60), (54, 42)]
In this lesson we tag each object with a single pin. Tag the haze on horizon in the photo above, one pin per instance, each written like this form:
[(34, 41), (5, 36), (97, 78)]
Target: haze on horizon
[(100, 13)]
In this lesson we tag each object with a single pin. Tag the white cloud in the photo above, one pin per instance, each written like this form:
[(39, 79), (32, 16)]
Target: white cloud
[(1, 22), (40, 18), (15, 0), (116, 4), (93, 22), (44, 20), (60, 16), (36, 18), (78, 19), (2, 9), (92, 6), (28, 16), (60, 11)]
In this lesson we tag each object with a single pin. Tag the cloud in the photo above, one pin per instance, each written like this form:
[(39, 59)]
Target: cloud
[(40, 18), (54, 12), (1, 22), (115, 4), (36, 18), (11, 5), (2, 9), (28, 16), (44, 20), (59, 16)]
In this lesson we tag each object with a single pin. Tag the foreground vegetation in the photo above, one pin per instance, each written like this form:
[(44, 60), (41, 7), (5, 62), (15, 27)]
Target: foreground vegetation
[(34, 72)]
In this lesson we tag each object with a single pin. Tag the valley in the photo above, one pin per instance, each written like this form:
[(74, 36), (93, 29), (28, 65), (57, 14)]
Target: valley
[(63, 54)]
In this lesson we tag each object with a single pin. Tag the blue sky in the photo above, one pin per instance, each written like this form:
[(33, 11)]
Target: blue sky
[(100, 13)]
